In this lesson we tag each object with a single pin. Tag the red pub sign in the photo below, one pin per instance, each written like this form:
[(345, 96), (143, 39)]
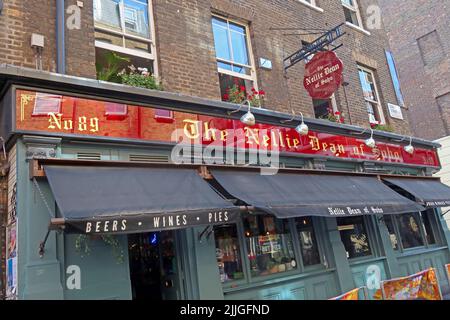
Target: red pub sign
[(89, 117), (323, 75)]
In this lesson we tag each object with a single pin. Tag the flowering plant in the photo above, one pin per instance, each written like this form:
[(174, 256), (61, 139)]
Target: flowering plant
[(139, 77), (238, 94), (335, 116), (377, 126)]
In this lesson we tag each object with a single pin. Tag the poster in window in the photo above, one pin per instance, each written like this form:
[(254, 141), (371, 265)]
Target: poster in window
[(269, 225)]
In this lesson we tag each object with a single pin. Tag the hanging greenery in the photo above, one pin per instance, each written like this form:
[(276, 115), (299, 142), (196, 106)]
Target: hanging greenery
[(116, 247), (82, 245)]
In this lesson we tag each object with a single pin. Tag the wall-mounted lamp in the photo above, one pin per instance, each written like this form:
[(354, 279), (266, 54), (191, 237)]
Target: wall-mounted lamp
[(302, 128), (371, 141), (409, 148), (248, 118)]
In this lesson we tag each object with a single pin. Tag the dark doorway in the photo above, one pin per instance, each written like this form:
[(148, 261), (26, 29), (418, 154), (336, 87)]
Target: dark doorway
[(154, 266), (145, 266)]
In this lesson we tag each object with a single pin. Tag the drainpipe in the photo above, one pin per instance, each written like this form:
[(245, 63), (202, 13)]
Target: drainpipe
[(60, 38)]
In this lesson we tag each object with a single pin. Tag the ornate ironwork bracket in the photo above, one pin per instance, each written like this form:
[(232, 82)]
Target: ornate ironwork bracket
[(326, 39)]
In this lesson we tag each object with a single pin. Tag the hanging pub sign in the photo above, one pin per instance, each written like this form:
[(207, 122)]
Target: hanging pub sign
[(323, 75)]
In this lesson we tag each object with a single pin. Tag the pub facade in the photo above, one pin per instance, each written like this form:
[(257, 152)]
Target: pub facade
[(107, 200), (109, 191)]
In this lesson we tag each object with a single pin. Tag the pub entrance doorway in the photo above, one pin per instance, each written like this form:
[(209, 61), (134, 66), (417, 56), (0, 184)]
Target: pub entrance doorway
[(153, 266)]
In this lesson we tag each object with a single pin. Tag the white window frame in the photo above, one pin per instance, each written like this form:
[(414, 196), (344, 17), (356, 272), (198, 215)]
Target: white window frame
[(251, 67), (355, 9), (311, 4), (128, 51), (382, 119)]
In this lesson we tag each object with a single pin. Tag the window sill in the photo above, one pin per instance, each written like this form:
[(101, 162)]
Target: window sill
[(311, 6), (355, 27), (364, 260), (420, 250), (279, 279)]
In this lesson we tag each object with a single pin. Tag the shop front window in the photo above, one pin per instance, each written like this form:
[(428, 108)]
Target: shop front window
[(308, 242), (429, 235), (227, 253), (411, 230), (392, 234), (354, 237), (408, 225), (269, 245)]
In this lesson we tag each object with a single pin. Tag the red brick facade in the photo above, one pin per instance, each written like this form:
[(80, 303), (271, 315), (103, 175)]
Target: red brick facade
[(419, 35), (186, 52)]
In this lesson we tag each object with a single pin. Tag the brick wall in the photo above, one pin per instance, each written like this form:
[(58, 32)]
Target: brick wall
[(419, 38), (20, 19), (186, 53)]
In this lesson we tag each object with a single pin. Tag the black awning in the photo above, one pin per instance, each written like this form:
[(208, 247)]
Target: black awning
[(287, 195), (429, 192), (135, 199)]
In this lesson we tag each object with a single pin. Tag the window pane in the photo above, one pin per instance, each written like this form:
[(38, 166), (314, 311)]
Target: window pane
[(394, 77), (109, 38), (221, 42), (391, 230), (367, 85), (348, 2), (239, 45), (351, 16), (269, 245), (308, 242), (322, 107), (226, 82), (237, 28), (409, 230), (427, 226), (242, 70), (137, 45), (136, 18), (354, 237), (107, 13), (224, 65), (228, 253)]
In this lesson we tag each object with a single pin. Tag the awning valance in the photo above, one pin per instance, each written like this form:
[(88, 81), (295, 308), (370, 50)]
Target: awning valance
[(287, 195), (135, 199), (429, 192)]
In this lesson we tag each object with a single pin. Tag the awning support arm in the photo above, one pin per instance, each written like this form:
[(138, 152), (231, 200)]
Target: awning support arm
[(445, 213), (42, 244), (200, 235)]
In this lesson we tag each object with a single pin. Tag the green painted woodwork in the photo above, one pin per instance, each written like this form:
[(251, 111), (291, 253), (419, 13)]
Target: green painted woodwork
[(102, 277)]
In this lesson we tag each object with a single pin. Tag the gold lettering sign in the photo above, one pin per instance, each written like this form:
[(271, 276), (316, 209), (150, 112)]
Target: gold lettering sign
[(191, 129), (55, 122)]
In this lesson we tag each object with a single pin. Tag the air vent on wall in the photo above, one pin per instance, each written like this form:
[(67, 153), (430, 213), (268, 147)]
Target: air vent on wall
[(89, 156), (148, 158)]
